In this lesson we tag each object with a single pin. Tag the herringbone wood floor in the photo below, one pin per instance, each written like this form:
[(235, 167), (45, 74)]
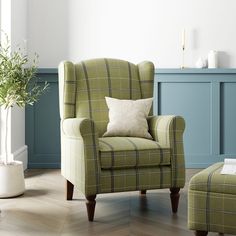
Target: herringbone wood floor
[(43, 211)]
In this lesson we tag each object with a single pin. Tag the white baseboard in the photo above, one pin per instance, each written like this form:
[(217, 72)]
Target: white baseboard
[(21, 154)]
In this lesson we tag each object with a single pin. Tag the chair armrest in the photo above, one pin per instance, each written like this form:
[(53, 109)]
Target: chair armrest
[(166, 129), (78, 127), (80, 154), (168, 132)]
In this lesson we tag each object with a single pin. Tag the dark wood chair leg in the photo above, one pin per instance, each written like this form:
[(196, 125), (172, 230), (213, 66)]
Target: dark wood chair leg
[(143, 192), (69, 190), (174, 196), (90, 204), (201, 233)]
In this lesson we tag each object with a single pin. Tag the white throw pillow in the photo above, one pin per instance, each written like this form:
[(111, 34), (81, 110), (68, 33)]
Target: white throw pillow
[(128, 117)]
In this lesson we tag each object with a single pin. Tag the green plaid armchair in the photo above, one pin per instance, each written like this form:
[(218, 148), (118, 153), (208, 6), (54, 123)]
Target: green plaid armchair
[(95, 164)]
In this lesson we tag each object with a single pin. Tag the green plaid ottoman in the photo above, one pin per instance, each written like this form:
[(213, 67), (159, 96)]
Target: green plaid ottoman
[(212, 202)]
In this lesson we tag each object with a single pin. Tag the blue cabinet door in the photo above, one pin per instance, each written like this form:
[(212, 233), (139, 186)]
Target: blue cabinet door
[(43, 125), (206, 99)]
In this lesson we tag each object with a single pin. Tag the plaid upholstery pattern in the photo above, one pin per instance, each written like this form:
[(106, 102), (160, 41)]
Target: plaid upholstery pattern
[(212, 201), (102, 77), (146, 72), (79, 154), (168, 132), (135, 179), (67, 89), (97, 167), (218, 183), (129, 152)]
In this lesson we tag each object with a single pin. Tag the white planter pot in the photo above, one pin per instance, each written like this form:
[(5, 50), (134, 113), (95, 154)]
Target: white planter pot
[(12, 181)]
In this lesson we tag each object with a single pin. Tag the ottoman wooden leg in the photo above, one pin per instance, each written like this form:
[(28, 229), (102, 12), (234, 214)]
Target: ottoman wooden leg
[(69, 190), (143, 192), (201, 233)]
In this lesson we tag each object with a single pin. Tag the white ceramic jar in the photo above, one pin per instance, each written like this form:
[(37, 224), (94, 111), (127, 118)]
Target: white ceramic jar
[(212, 59), (12, 181)]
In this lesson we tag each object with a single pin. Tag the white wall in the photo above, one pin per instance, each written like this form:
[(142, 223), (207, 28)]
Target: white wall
[(18, 37), (48, 30), (19, 23), (135, 30), (14, 23)]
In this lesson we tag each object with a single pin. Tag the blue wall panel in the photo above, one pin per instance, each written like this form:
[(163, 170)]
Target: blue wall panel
[(206, 99), (192, 101), (228, 118), (43, 125)]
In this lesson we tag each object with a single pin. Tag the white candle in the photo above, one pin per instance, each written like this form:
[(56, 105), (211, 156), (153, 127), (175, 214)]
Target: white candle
[(183, 39)]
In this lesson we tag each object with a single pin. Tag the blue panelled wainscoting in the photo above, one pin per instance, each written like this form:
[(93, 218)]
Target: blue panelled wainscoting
[(206, 98), (43, 125)]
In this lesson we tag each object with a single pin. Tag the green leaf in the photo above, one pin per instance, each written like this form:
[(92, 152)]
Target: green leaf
[(18, 81)]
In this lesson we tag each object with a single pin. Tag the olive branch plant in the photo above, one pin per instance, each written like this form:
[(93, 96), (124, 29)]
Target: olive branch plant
[(18, 83)]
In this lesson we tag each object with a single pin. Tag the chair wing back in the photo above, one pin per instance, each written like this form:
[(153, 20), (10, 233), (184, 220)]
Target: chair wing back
[(82, 94)]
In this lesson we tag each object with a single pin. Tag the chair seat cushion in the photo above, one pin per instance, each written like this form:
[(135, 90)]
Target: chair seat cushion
[(130, 152), (211, 180)]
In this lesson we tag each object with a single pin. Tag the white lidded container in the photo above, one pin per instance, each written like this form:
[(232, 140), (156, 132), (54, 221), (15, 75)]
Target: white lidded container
[(213, 59), (12, 181)]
